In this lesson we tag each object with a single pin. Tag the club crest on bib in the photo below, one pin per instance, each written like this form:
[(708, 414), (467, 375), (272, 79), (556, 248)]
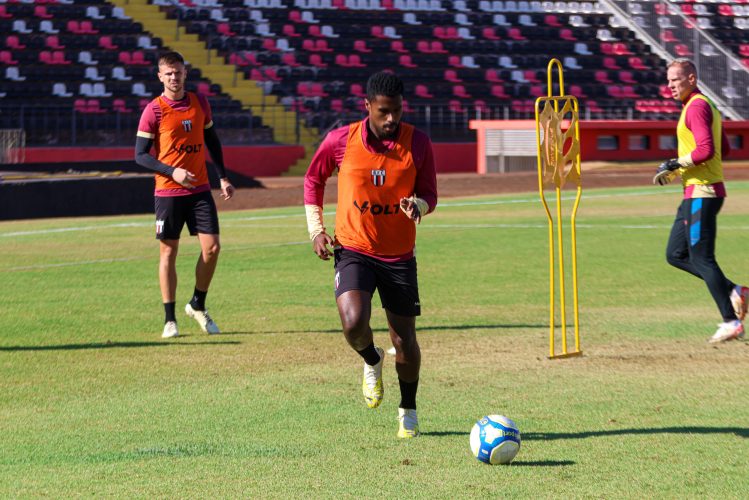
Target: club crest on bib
[(187, 125), (378, 177)]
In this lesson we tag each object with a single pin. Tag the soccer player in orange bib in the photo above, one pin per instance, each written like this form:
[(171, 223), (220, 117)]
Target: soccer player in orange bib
[(702, 144), (179, 126), (386, 184)]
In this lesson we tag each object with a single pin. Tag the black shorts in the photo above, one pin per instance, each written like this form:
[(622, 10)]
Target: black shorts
[(197, 210), (395, 281)]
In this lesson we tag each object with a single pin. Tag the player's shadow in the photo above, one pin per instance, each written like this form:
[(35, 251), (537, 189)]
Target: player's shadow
[(110, 345), (541, 463), (552, 436), (385, 330)]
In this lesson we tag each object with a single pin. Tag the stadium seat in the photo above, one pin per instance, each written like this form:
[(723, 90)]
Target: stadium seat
[(490, 33), (498, 91), (289, 60), (461, 92), (13, 42), (205, 89), (455, 106), (451, 76), (356, 90), (397, 46), (636, 63), (40, 11), (492, 75), (120, 106), (682, 50), (317, 61), (422, 91), (405, 61), (361, 46)]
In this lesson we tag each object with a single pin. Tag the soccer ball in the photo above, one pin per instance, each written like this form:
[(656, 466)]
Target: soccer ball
[(495, 439)]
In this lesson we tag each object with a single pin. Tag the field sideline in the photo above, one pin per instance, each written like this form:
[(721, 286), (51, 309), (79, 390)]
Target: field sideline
[(94, 403)]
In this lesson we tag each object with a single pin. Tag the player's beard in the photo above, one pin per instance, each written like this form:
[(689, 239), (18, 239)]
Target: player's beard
[(390, 132)]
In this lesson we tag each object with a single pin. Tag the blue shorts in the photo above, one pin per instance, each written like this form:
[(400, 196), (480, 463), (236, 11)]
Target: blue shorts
[(395, 282)]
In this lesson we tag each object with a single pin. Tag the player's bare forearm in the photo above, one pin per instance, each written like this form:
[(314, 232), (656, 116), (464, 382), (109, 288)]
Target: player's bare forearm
[(227, 190)]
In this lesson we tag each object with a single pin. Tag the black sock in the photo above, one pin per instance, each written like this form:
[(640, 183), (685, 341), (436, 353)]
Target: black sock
[(169, 312), (370, 355), (408, 394), (198, 300)]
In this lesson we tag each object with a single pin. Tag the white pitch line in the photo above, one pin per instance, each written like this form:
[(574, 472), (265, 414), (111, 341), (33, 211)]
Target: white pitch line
[(131, 259), (441, 205)]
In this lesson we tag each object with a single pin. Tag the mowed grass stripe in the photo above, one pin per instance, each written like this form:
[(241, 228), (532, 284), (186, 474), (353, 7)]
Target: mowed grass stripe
[(93, 402)]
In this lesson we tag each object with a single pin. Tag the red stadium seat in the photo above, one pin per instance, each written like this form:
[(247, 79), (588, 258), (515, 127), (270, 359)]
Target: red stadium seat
[(515, 34), (454, 61), (87, 28), (341, 60), (481, 107), (566, 34), (361, 46), (322, 46), (490, 33), (397, 46), (105, 42), (636, 63), (356, 90), (498, 91), (460, 91), (602, 76), (205, 89), (610, 63), (53, 42), (120, 106), (336, 105), (422, 90), (12, 42), (682, 50), (452, 76), (354, 61), (314, 30), (627, 77), (492, 75), (405, 61), (551, 20), (40, 11), (317, 61), (6, 57), (455, 106), (224, 29), (58, 57), (289, 59), (436, 47), (4, 13), (94, 106)]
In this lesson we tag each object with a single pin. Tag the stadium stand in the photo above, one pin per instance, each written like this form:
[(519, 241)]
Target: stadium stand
[(308, 58)]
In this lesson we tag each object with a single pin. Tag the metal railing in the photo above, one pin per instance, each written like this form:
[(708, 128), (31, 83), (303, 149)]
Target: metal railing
[(671, 34)]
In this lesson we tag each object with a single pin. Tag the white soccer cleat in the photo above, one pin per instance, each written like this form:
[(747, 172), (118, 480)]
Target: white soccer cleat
[(408, 423), (740, 300), (371, 384), (204, 320), (170, 330), (728, 331)]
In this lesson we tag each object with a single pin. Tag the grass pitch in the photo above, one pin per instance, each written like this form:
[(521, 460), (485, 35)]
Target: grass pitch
[(94, 403)]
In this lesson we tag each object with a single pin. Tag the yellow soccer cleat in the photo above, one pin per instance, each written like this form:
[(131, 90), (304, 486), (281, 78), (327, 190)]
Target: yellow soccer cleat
[(371, 384), (408, 423)]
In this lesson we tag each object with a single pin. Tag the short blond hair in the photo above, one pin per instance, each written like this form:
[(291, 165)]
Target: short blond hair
[(685, 64)]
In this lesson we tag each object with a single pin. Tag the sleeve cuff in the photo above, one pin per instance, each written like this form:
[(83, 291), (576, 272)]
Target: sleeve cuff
[(314, 220)]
